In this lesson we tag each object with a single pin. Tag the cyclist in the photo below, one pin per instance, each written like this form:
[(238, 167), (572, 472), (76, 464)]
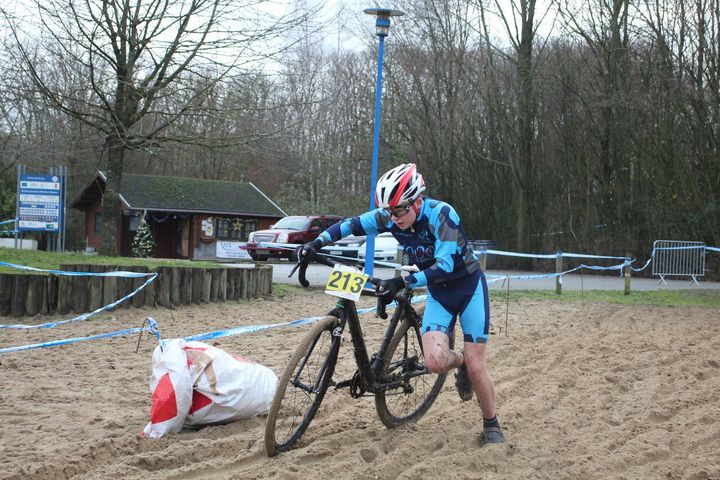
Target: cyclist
[(432, 236)]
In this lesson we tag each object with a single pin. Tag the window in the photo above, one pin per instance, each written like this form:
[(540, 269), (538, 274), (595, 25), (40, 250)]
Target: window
[(98, 222), (134, 223), (292, 223), (236, 229)]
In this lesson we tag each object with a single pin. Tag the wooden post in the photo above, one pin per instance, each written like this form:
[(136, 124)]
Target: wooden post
[(558, 269), (175, 285), (197, 284), (138, 300), (124, 287), (206, 285), (627, 274), (186, 285), (35, 294), (230, 286), (6, 289), (214, 275), (80, 290), (110, 287), (64, 294), (266, 280), (252, 282), (96, 288), (150, 291), (244, 276), (17, 304), (222, 285), (162, 286), (260, 284), (51, 295)]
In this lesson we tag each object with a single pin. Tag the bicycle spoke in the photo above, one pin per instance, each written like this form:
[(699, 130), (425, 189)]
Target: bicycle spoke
[(302, 387), (416, 387)]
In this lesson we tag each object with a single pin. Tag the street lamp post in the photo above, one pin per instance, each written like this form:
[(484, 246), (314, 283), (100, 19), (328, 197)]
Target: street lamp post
[(382, 28)]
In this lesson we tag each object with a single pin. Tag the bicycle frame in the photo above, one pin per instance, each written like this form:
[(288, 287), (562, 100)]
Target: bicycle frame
[(369, 367)]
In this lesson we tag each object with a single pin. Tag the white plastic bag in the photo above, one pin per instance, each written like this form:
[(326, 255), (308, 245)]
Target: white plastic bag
[(194, 383)]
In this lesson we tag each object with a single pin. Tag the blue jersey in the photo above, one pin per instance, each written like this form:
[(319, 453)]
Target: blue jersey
[(436, 243)]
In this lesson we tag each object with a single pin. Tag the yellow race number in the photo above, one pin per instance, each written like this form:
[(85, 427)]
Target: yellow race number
[(345, 282)]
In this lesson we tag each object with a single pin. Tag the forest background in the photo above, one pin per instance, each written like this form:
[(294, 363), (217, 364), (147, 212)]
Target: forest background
[(587, 125)]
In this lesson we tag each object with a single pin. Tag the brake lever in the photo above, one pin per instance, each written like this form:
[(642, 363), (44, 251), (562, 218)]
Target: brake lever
[(380, 312), (302, 263), (292, 272), (381, 305)]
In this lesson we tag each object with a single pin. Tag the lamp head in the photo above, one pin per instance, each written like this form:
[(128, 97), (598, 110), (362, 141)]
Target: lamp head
[(382, 22)]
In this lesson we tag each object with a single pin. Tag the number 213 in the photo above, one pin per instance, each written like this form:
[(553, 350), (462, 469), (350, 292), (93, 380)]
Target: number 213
[(336, 277)]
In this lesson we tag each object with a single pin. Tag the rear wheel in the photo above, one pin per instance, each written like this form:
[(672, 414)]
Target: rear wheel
[(415, 387), (302, 386)]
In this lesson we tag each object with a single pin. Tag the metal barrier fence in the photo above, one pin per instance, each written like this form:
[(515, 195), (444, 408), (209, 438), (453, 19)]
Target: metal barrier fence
[(677, 257)]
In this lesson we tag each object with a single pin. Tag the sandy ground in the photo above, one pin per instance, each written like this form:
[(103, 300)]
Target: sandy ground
[(593, 391)]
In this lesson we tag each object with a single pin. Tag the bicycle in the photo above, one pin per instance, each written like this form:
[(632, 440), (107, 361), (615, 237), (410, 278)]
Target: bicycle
[(396, 375)]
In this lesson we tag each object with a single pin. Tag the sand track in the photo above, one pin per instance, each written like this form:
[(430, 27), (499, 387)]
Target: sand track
[(594, 391)]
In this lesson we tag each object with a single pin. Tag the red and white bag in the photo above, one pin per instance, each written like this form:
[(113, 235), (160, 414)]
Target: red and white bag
[(194, 383)]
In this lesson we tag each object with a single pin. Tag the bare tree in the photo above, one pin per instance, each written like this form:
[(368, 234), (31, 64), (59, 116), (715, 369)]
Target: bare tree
[(132, 55), (604, 27), (520, 21)]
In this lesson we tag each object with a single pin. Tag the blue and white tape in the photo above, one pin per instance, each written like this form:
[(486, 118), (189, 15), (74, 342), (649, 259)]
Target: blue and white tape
[(152, 327), (515, 254), (85, 316), (66, 341), (536, 276), (259, 328), (8, 221), (66, 273)]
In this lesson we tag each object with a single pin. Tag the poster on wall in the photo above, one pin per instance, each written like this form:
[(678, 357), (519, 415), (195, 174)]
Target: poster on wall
[(207, 227), (232, 250)]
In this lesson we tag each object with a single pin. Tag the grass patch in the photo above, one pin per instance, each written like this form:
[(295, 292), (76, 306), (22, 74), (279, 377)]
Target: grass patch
[(53, 260), (281, 290), (658, 298)]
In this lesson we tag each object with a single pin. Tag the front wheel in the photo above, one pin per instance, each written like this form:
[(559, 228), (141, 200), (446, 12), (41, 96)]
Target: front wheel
[(302, 386), (413, 387)]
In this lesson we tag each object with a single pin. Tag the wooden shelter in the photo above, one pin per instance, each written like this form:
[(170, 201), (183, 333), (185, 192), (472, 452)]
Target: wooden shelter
[(189, 218)]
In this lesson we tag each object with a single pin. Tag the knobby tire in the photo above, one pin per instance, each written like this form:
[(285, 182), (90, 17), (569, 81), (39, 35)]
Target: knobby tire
[(293, 408), (409, 402)]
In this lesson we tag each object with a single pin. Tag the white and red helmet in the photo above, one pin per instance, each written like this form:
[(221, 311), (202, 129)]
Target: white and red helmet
[(399, 186)]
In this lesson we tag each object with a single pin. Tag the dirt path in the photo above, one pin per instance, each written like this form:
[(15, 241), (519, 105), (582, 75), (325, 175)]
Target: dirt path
[(600, 391)]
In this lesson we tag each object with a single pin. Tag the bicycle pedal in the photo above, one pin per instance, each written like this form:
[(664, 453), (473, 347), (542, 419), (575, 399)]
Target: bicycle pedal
[(339, 385)]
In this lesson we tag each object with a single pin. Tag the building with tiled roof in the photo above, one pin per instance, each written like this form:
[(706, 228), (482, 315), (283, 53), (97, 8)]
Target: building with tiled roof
[(189, 217)]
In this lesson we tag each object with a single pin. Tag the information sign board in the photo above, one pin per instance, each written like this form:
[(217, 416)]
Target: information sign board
[(39, 206)]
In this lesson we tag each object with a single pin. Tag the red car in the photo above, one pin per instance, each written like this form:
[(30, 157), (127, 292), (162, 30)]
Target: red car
[(296, 229)]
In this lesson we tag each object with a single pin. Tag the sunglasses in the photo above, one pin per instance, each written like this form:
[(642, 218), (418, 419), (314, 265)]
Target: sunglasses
[(398, 212)]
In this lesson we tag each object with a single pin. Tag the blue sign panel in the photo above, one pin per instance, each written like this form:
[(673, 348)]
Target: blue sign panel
[(39, 203)]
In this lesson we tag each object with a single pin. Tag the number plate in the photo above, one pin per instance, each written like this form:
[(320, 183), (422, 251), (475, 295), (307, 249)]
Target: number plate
[(345, 282)]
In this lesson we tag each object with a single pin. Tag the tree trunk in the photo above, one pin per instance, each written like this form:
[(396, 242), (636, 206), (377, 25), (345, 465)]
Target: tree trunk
[(111, 201), (525, 132)]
